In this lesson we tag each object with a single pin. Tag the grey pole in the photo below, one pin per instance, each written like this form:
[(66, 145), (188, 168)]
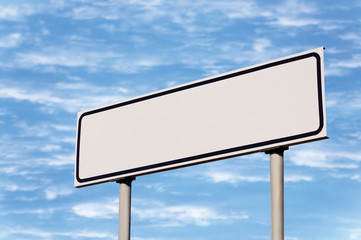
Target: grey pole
[(124, 208), (277, 193)]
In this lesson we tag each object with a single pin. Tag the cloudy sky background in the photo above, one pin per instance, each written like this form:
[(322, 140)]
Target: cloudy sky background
[(60, 57)]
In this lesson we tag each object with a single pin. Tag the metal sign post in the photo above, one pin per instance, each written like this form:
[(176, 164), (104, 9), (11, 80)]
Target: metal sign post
[(277, 192), (124, 207)]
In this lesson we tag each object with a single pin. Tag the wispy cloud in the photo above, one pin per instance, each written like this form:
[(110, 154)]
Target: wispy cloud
[(354, 177), (295, 22), (17, 171), (13, 187), (354, 62), (10, 41), (44, 130), (261, 44), (294, 13), (291, 238), (42, 213), (298, 178), (355, 37), (235, 178), (16, 12), (70, 100), (141, 238), (3, 112), (71, 56), (50, 148), (326, 159), (114, 60), (354, 233), (159, 187), (232, 178), (190, 20), (156, 9), (52, 193), (9, 13), (44, 234), (102, 210), (58, 160), (345, 102), (79, 52), (157, 213), (42, 97)]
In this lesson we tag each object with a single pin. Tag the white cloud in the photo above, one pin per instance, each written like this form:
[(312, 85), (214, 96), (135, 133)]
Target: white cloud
[(10, 41), (59, 160), (70, 100), (356, 135), (43, 97), (297, 178), (344, 101), (331, 26), (55, 192), (333, 71), (8, 170), (287, 21), (241, 9), (355, 177), (9, 13), (235, 178), (86, 57), (3, 112), (333, 99), (103, 210), (50, 148), (13, 187), (20, 10), (74, 86), (181, 215), (354, 233), (231, 177), (354, 62), (63, 127), (261, 44), (291, 238), (295, 13), (190, 15), (43, 234), (92, 234), (296, 7), (230, 53), (159, 187), (327, 159), (88, 12), (40, 130), (15, 13), (40, 212), (16, 171), (352, 36), (58, 58), (137, 238)]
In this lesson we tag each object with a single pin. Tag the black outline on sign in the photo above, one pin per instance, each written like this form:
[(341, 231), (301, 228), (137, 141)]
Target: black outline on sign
[(215, 153)]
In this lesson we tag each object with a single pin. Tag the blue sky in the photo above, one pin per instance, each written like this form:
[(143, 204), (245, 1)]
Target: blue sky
[(59, 57)]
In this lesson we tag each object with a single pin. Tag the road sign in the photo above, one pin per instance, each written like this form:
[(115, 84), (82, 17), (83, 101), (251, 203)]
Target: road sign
[(273, 104)]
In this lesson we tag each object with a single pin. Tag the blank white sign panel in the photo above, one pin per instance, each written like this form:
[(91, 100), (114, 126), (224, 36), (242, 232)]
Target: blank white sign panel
[(278, 103)]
